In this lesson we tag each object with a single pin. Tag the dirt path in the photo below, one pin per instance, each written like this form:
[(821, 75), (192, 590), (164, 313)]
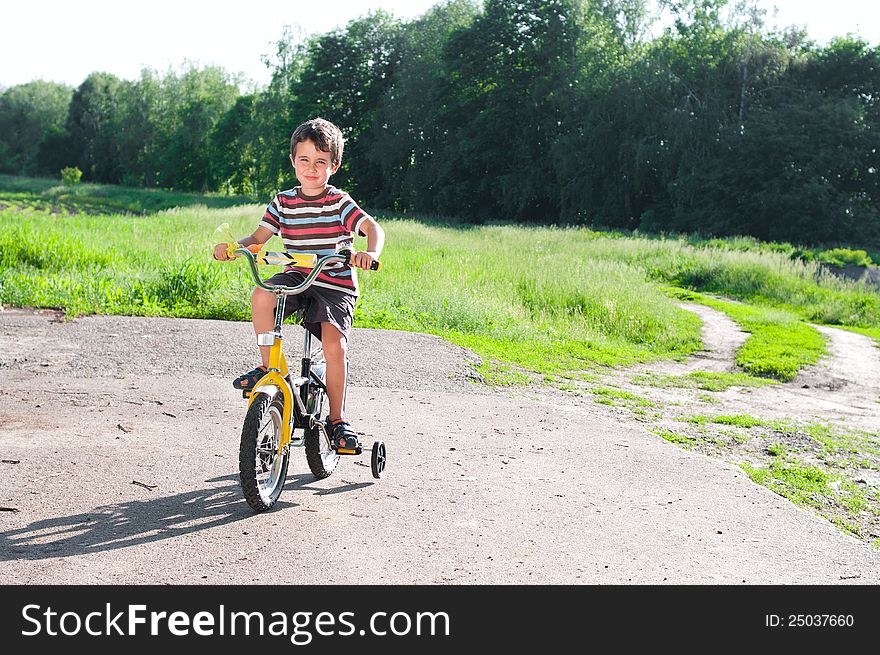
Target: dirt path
[(721, 339), (843, 387), (119, 445)]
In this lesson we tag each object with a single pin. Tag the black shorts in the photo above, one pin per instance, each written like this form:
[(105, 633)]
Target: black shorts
[(320, 304)]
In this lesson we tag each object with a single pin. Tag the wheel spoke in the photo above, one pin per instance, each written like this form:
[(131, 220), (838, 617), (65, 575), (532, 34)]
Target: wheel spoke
[(262, 467)]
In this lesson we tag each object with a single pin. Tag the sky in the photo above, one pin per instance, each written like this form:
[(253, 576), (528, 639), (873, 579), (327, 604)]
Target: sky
[(64, 41)]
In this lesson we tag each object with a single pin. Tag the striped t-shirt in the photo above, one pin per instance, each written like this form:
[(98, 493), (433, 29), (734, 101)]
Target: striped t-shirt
[(318, 225)]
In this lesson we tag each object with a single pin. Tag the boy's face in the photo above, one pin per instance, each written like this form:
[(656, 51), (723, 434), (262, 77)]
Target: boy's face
[(313, 167)]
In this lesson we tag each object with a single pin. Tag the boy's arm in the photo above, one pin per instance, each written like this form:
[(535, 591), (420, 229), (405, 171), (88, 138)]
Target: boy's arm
[(260, 236), (375, 241)]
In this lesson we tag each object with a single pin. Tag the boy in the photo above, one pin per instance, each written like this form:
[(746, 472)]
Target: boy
[(315, 218)]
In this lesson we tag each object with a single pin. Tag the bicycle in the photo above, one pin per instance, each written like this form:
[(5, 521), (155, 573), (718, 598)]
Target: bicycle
[(284, 411)]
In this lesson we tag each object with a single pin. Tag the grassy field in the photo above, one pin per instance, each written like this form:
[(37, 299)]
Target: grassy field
[(550, 301), (45, 194)]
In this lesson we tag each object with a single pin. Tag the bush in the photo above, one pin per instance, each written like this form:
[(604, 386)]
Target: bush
[(845, 257), (71, 176)]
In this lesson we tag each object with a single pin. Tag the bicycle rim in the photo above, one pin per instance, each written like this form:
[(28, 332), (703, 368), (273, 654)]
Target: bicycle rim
[(262, 469), (321, 457)]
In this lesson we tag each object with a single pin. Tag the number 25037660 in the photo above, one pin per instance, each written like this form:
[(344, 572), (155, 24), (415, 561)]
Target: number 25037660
[(808, 620)]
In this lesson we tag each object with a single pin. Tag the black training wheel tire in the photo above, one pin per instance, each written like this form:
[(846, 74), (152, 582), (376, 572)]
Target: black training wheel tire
[(377, 461), (261, 471)]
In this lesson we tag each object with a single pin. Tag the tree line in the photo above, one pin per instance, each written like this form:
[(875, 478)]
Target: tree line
[(526, 111)]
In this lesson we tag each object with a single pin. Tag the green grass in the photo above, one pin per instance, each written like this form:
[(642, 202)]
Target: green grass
[(845, 446), (705, 380), (556, 302), (845, 257), (832, 496), (153, 265), (835, 256), (803, 485), (769, 279), (738, 420), (500, 374), (546, 315), (779, 344), (777, 449), (814, 465), (675, 437), (617, 397), (873, 332), (545, 312), (44, 194)]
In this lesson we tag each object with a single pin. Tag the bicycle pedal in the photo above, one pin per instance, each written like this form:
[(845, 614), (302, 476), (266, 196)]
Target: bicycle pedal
[(245, 394), (349, 451)]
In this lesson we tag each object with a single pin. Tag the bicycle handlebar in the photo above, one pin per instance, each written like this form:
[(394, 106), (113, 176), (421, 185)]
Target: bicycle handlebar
[(306, 261)]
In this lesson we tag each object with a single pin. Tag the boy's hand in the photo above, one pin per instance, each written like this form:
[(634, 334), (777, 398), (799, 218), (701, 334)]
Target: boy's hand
[(220, 252), (364, 259)]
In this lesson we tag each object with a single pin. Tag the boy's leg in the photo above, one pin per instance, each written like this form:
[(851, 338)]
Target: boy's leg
[(335, 348), (263, 317)]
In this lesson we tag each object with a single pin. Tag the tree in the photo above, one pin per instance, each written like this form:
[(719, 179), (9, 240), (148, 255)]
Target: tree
[(233, 157), (406, 134), (268, 135), (30, 113), (803, 167), (509, 78), (140, 107), (517, 110), (193, 102), (92, 125), (348, 72)]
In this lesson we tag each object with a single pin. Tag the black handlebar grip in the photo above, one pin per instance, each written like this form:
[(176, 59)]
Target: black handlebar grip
[(349, 253)]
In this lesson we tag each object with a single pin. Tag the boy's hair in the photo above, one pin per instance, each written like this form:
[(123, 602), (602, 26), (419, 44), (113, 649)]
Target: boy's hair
[(324, 134)]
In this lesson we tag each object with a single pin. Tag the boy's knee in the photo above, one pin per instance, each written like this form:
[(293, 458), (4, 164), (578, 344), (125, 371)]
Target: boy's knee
[(262, 300), (333, 347), (333, 342)]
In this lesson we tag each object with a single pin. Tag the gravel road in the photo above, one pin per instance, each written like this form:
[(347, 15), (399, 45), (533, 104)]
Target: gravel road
[(119, 439)]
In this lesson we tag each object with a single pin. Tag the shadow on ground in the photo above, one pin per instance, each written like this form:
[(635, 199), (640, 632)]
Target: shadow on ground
[(111, 527)]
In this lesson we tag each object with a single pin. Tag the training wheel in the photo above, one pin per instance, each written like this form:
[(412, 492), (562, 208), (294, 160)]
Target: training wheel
[(378, 459)]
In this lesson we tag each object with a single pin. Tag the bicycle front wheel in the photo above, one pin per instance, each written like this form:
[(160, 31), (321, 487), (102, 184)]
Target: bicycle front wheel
[(261, 469)]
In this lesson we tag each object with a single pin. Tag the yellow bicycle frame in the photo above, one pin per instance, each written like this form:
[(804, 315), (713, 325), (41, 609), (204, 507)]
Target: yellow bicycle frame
[(275, 378), (277, 363)]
